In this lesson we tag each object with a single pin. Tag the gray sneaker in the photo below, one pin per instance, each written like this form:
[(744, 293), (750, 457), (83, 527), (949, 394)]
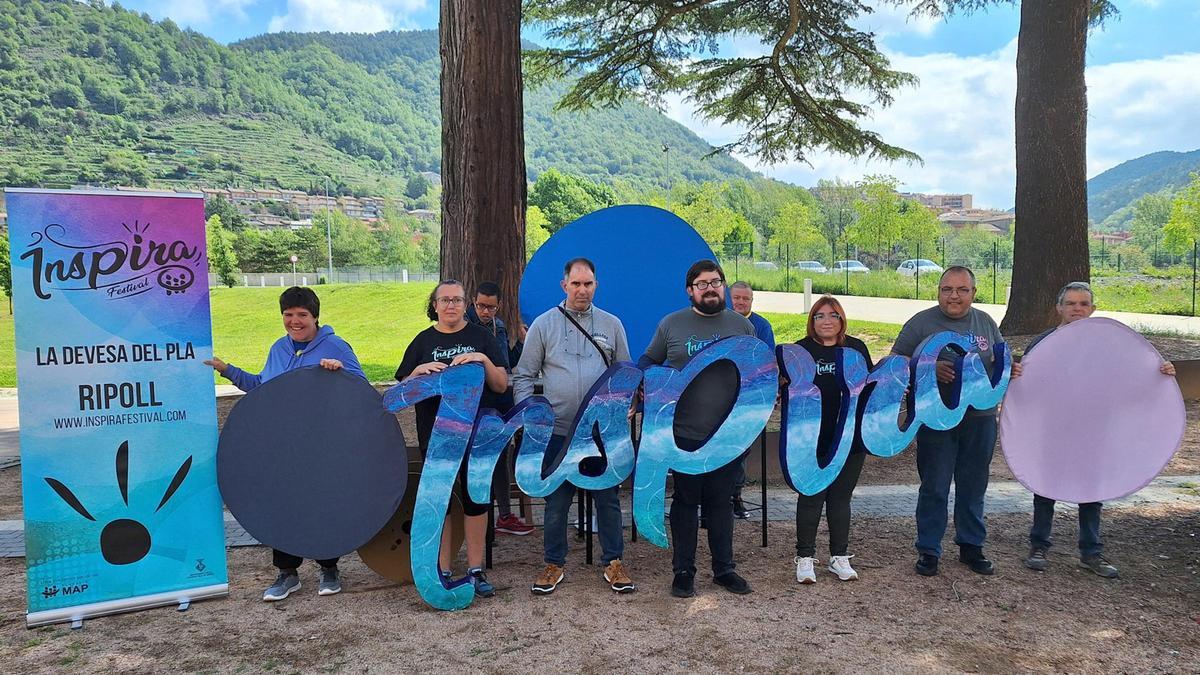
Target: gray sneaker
[(1100, 566), (284, 584), (1037, 559), (331, 581)]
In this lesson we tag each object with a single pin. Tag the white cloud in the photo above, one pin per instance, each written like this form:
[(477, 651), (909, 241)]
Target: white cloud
[(349, 16), (960, 120), (893, 20), (201, 13)]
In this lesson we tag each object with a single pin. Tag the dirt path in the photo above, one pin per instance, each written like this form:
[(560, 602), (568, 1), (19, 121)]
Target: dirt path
[(1063, 620)]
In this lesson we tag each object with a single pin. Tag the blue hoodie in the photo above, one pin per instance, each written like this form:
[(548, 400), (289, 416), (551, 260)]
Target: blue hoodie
[(283, 358)]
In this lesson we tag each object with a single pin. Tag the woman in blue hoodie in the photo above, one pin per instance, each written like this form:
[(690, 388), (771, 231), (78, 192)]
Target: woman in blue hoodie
[(306, 344)]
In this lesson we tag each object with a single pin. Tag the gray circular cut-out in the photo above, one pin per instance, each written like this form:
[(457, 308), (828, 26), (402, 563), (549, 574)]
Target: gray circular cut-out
[(311, 463)]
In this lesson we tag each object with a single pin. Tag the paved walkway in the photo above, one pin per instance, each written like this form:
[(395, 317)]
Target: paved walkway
[(869, 500), (898, 310)]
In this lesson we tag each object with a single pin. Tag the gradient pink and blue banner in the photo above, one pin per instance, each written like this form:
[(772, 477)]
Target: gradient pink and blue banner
[(117, 410)]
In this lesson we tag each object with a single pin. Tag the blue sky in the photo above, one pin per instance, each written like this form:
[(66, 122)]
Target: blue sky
[(1143, 82)]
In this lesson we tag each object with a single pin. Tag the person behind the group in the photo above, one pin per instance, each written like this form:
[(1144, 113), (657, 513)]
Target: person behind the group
[(826, 334), (1075, 302), (742, 297), (964, 453), (484, 311), (701, 408), (454, 341), (569, 347), (306, 344)]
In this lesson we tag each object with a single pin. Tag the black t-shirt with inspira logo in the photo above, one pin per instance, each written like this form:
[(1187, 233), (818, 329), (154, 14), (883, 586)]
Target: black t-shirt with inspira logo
[(826, 380), (433, 345)]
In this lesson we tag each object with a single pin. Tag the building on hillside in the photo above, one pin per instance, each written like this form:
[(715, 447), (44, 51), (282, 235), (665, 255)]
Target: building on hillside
[(992, 222), (942, 203), (1110, 238), (423, 214), (433, 177)]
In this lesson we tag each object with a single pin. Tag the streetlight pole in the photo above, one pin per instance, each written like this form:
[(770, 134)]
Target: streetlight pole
[(294, 270), (329, 229)]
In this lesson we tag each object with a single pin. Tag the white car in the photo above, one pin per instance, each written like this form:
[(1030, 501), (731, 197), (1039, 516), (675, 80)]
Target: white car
[(766, 265), (910, 267), (851, 266), (811, 266)]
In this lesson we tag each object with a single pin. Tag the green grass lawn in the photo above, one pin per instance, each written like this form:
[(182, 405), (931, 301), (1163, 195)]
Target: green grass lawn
[(378, 320), (878, 336)]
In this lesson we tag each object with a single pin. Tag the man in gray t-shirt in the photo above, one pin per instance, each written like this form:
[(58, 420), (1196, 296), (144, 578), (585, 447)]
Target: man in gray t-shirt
[(702, 407), (963, 453)]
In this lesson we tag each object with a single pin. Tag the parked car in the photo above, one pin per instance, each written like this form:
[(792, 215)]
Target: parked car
[(766, 265), (851, 266), (911, 267), (811, 266)]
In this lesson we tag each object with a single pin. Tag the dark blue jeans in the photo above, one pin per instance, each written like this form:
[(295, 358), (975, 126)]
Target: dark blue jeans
[(962, 454), (558, 508), (1089, 526)]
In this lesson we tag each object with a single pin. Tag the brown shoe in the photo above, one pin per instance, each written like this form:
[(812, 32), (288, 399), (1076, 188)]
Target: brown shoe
[(548, 580), (618, 578)]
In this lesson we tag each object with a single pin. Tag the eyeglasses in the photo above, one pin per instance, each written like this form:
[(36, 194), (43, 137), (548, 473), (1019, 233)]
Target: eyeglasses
[(951, 290), (822, 315), (705, 285), (481, 307), (451, 302)]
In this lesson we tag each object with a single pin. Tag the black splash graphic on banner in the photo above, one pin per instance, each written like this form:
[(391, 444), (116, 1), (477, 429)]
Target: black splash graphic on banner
[(122, 541)]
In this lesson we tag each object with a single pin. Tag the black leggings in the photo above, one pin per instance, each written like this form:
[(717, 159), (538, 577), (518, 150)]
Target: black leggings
[(287, 561), (836, 501)]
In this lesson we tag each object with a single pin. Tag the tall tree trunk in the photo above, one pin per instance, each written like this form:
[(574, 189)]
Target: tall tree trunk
[(483, 147), (1050, 246)]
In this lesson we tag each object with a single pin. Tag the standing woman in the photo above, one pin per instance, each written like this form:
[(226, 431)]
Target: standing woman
[(826, 333), (453, 341)]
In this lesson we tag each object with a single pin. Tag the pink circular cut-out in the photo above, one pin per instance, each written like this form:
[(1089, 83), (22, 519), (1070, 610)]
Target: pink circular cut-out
[(1091, 418)]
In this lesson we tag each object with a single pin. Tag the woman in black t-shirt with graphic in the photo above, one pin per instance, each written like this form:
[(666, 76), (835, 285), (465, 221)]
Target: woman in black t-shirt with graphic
[(453, 341), (826, 333)]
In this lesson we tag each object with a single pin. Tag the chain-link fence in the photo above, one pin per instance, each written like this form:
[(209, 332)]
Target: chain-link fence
[(341, 275)]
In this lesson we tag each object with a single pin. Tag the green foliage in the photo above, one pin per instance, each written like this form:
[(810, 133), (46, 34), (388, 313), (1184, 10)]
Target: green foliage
[(795, 227), (1118, 187), (1183, 228), (878, 220), (1150, 214), (87, 88), (805, 92), (5, 267), (563, 197), (417, 186), (231, 218), (221, 258), (536, 231)]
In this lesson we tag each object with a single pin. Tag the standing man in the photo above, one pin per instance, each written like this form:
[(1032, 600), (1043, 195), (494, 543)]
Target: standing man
[(1075, 302), (702, 407), (569, 347), (962, 454), (484, 312), (743, 302)]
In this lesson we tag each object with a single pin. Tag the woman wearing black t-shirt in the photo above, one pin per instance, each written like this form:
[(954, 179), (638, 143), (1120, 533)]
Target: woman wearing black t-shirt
[(826, 333), (450, 342)]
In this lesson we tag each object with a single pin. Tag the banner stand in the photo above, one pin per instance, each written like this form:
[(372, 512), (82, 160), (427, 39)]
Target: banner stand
[(76, 615)]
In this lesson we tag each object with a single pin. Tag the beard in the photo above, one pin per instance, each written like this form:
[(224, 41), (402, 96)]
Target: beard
[(709, 304)]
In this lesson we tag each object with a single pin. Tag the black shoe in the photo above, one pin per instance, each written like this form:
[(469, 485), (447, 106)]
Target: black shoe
[(973, 557), (739, 509), (927, 565), (684, 585), (733, 583)]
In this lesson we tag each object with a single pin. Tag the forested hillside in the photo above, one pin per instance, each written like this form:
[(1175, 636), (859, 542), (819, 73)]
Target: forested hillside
[(101, 95)]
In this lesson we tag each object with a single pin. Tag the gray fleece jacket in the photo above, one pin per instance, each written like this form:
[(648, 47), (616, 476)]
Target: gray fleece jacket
[(566, 360)]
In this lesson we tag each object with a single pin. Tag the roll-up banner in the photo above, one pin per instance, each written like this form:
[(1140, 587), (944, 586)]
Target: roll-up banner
[(117, 411)]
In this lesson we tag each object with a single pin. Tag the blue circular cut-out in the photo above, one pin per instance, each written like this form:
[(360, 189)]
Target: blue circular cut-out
[(311, 463), (642, 254)]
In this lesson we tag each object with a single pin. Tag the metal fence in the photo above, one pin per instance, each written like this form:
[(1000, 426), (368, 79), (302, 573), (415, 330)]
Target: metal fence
[(345, 275)]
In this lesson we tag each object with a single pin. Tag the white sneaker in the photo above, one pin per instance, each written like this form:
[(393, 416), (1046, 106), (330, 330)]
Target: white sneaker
[(804, 570), (840, 565)]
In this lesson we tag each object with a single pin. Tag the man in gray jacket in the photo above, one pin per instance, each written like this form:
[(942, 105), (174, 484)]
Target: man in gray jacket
[(570, 347)]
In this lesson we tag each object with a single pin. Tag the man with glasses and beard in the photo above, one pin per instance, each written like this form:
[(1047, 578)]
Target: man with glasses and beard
[(700, 410)]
